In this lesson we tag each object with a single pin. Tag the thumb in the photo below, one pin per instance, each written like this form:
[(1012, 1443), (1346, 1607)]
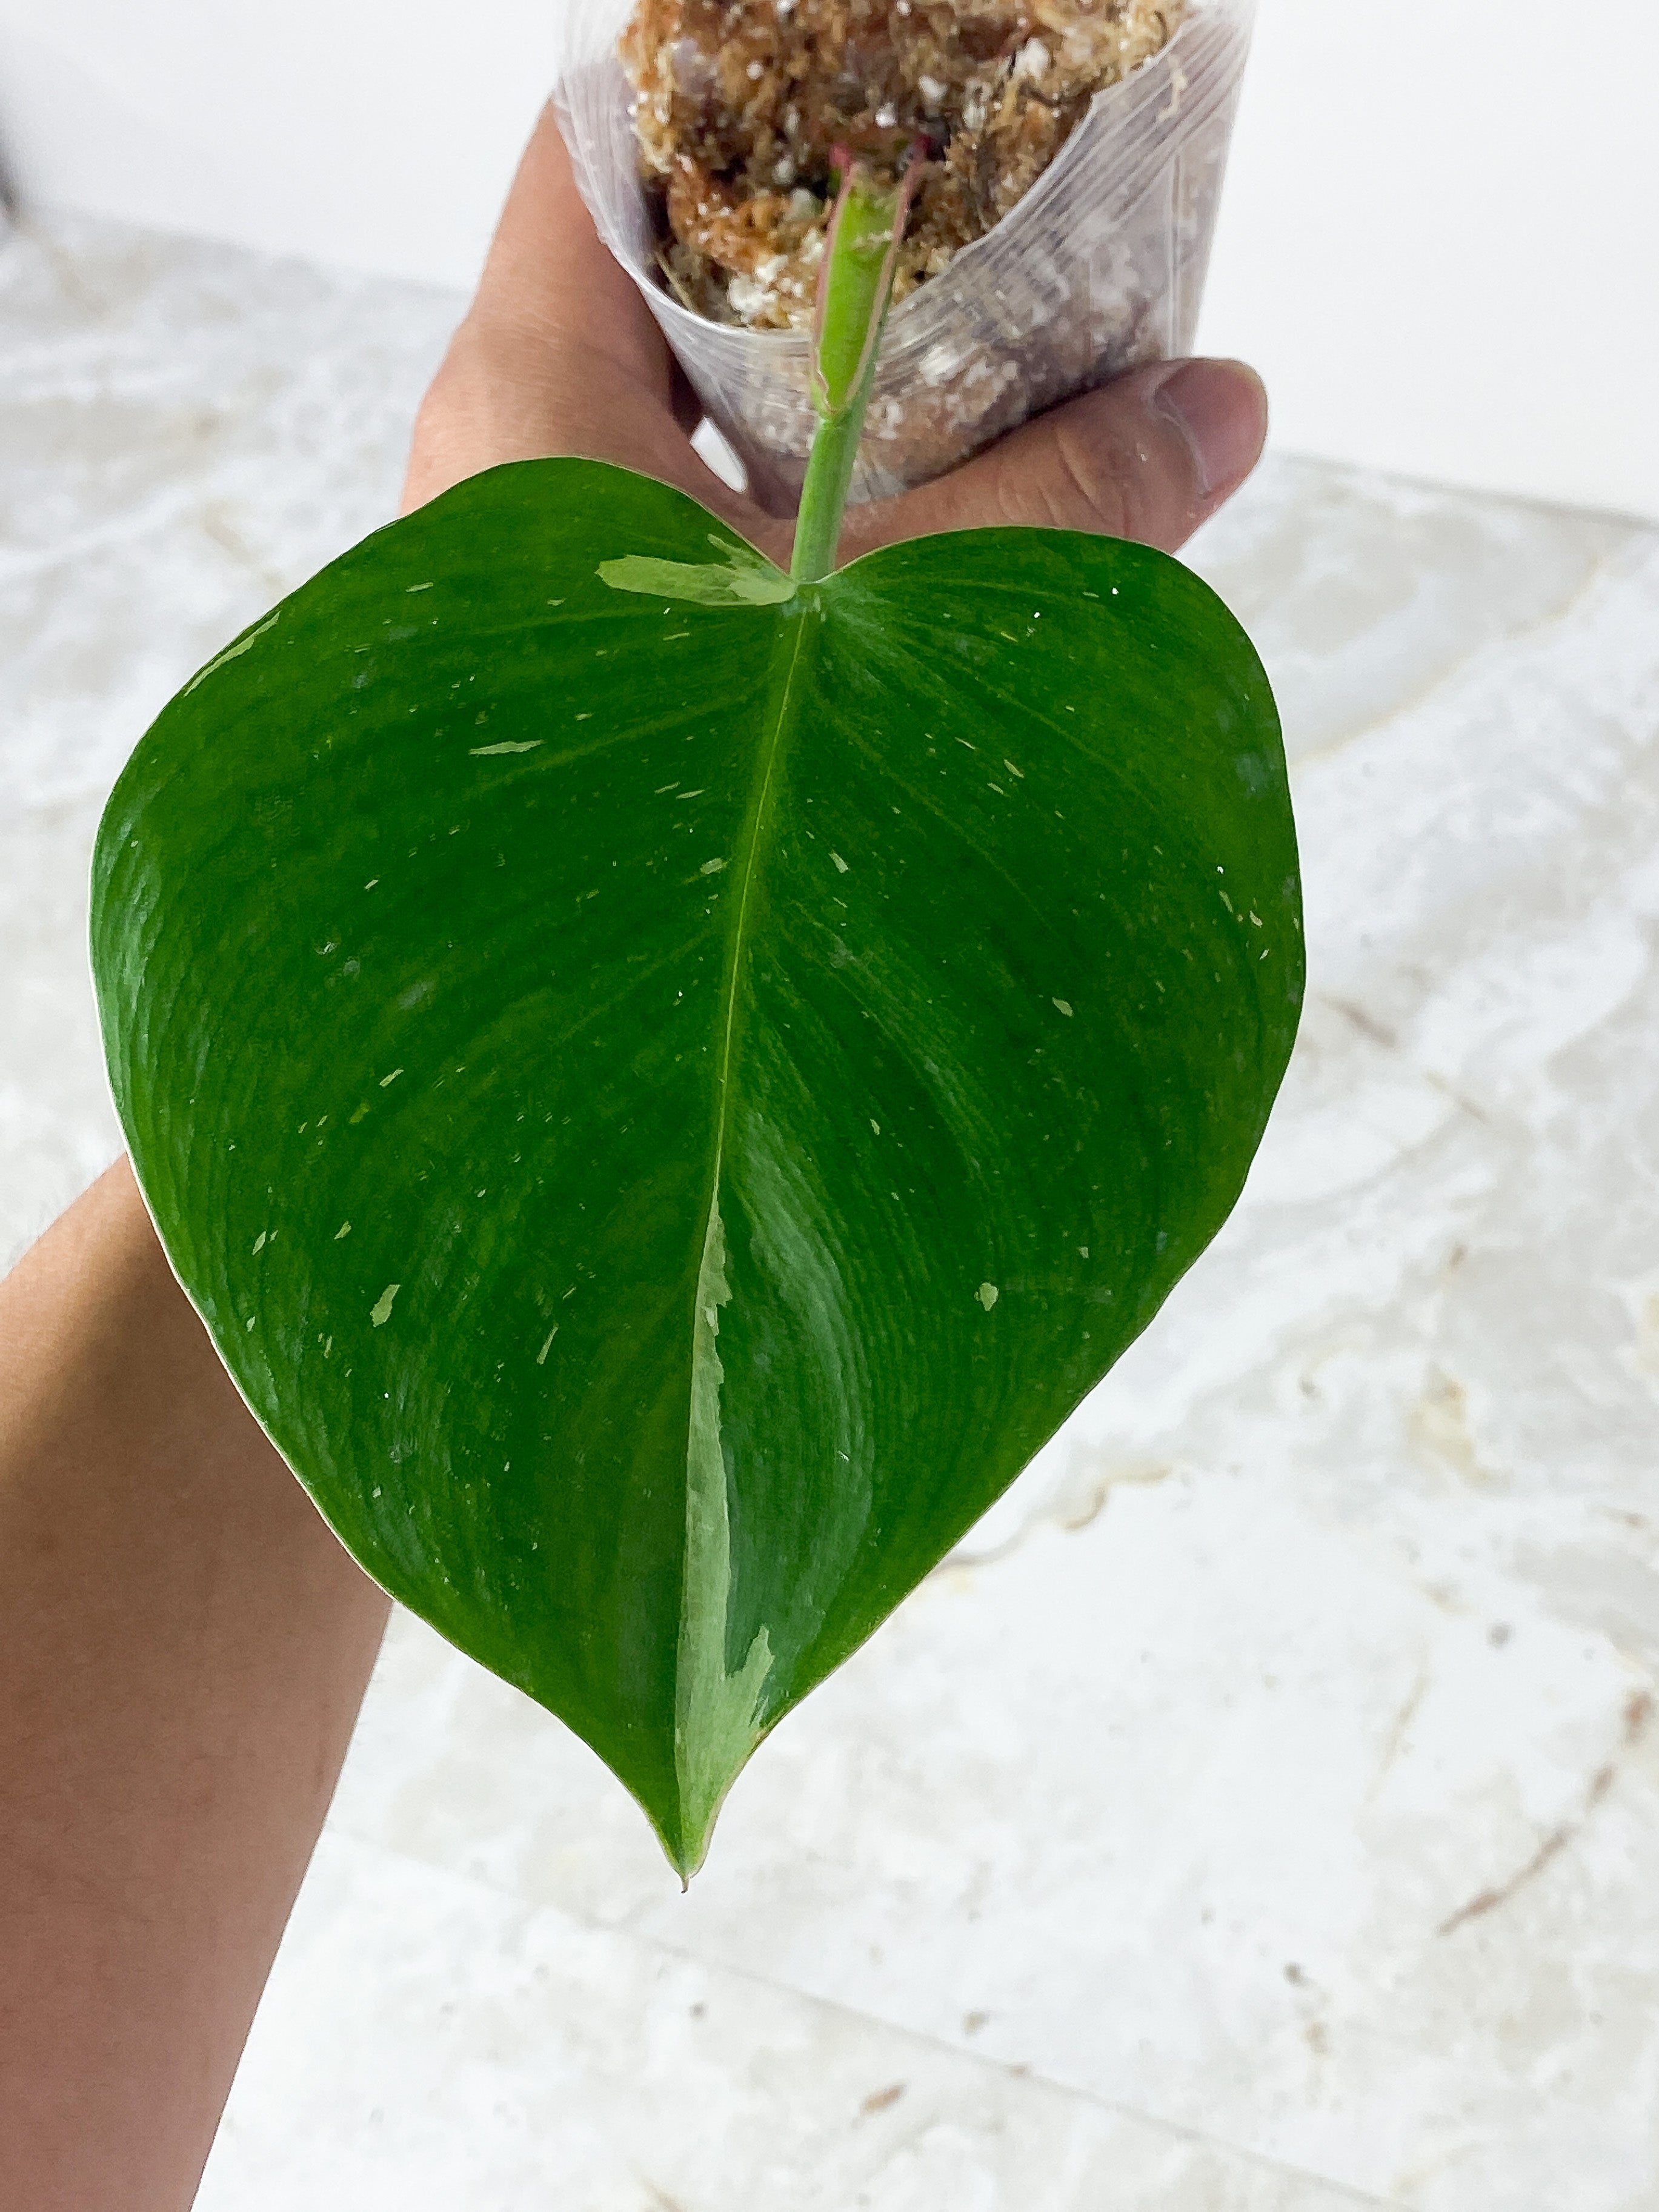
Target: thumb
[(1148, 457)]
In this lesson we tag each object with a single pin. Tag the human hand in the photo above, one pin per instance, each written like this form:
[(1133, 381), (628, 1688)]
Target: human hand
[(559, 354)]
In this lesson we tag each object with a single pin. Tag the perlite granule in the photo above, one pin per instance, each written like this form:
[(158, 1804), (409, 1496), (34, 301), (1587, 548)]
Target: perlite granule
[(739, 107)]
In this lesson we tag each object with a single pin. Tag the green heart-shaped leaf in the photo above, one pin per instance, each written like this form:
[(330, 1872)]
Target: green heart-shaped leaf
[(665, 1102)]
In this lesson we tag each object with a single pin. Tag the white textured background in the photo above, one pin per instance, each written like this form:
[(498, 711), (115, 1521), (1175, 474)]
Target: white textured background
[(1439, 244), (1261, 1813)]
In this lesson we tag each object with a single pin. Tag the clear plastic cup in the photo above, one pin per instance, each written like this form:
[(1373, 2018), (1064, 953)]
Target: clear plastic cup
[(1101, 266)]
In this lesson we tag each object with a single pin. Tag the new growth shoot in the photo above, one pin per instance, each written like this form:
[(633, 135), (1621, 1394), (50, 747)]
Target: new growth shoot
[(854, 288)]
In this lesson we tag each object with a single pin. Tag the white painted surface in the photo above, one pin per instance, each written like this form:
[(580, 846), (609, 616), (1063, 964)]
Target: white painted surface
[(1262, 1815), (1443, 259), (378, 135)]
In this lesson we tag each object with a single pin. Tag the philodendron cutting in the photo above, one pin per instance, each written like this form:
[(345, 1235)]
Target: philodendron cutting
[(668, 1081)]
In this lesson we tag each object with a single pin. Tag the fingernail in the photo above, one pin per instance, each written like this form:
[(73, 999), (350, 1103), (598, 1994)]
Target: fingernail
[(1221, 407)]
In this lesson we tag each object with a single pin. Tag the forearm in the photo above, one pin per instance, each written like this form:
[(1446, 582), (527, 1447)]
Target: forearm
[(183, 1649)]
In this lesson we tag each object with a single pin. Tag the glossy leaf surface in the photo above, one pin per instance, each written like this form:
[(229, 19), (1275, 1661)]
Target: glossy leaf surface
[(664, 1104)]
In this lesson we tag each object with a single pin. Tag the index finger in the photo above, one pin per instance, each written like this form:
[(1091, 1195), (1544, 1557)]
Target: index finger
[(549, 276)]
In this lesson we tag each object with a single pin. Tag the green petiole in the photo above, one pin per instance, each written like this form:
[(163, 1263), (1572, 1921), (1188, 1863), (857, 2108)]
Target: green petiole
[(857, 286)]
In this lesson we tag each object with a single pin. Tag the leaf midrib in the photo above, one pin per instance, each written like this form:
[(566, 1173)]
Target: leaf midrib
[(779, 705), (717, 1714)]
